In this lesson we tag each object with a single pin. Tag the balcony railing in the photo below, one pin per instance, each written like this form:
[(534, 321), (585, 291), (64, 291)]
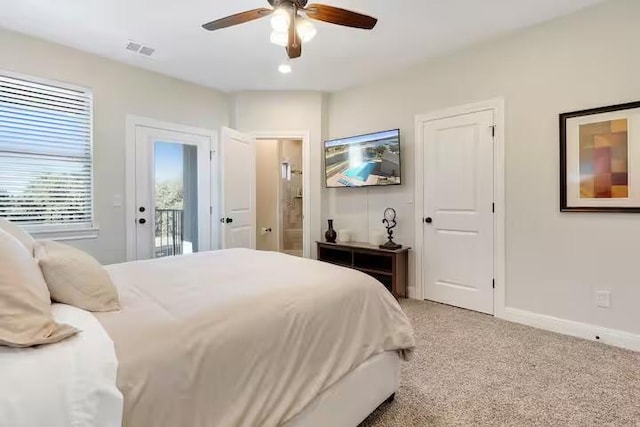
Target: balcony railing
[(169, 236)]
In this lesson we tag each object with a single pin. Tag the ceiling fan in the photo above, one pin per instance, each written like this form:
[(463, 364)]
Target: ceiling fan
[(291, 29)]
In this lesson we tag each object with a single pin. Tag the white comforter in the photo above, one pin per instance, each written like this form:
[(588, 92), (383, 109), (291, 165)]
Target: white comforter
[(67, 384), (242, 338)]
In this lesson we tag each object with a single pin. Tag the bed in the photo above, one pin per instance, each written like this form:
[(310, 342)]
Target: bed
[(240, 338)]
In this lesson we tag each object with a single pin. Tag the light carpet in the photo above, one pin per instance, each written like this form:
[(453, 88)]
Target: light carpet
[(472, 369)]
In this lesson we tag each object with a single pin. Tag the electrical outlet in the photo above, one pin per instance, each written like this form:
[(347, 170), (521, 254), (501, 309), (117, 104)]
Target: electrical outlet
[(603, 299)]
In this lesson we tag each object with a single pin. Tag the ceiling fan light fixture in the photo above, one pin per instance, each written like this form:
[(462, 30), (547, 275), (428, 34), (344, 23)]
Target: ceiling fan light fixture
[(285, 68), (280, 38), (280, 20), (306, 30), (293, 22)]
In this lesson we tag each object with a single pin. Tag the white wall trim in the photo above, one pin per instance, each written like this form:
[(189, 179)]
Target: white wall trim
[(71, 234), (305, 136), (278, 227), (133, 121), (498, 107), (586, 331)]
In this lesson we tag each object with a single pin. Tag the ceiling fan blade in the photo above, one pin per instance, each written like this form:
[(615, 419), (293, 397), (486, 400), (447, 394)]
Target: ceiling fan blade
[(294, 46), (238, 18), (294, 51), (336, 15)]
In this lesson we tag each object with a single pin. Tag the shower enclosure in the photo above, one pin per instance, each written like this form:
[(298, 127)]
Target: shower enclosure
[(290, 205), (279, 195)]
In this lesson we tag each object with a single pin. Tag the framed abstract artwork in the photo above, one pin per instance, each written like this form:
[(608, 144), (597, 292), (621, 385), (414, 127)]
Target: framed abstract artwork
[(600, 159)]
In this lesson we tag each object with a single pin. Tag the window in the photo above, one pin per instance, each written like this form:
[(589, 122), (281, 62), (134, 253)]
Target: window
[(46, 173)]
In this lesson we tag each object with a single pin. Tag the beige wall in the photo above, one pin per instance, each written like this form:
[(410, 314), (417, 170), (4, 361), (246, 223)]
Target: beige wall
[(258, 111), (118, 90), (555, 261)]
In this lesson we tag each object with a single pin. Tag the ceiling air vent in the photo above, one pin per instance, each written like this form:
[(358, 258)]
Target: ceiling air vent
[(147, 51), (133, 46), (139, 48)]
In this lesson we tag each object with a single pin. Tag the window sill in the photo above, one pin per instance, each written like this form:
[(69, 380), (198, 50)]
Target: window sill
[(74, 234)]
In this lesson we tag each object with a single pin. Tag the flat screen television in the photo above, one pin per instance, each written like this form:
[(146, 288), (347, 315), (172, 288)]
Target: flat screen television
[(364, 160)]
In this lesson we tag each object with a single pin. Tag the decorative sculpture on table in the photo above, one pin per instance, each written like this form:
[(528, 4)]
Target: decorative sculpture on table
[(390, 223)]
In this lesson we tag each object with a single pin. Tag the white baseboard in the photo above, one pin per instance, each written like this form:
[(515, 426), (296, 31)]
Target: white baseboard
[(613, 337)]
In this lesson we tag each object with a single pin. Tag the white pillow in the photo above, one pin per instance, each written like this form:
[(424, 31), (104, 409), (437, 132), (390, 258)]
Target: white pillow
[(75, 278), (25, 305), (17, 232)]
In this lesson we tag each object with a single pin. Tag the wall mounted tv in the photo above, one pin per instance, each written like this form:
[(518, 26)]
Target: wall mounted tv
[(363, 161)]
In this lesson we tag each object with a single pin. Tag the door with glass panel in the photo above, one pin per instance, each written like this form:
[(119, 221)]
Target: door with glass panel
[(173, 193)]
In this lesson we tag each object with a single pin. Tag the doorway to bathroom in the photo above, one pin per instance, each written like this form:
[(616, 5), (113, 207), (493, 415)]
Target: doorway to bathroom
[(280, 195)]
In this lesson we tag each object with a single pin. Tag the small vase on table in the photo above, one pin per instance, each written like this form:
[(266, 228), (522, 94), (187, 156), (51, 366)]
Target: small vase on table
[(330, 235)]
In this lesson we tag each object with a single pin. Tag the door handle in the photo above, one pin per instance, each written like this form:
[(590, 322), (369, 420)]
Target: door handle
[(228, 220), (428, 220), (142, 221)]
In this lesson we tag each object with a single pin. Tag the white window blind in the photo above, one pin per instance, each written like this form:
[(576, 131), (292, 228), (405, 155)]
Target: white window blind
[(45, 154)]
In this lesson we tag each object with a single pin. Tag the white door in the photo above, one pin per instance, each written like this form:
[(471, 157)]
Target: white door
[(458, 207), (238, 166), (172, 193), (269, 176)]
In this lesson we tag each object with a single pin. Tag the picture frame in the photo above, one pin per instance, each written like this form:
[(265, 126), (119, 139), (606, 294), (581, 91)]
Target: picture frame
[(600, 159)]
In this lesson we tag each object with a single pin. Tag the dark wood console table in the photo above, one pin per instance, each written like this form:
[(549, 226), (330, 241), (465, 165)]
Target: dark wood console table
[(391, 268)]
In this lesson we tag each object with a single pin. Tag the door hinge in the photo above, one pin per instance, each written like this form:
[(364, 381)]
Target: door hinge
[(493, 207), (210, 210), (493, 131), (493, 282), (211, 153)]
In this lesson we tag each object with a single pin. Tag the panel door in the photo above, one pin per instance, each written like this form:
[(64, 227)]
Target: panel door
[(458, 206), (238, 166)]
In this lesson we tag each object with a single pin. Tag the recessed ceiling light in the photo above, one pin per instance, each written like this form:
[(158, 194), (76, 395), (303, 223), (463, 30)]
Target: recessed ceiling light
[(285, 68)]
